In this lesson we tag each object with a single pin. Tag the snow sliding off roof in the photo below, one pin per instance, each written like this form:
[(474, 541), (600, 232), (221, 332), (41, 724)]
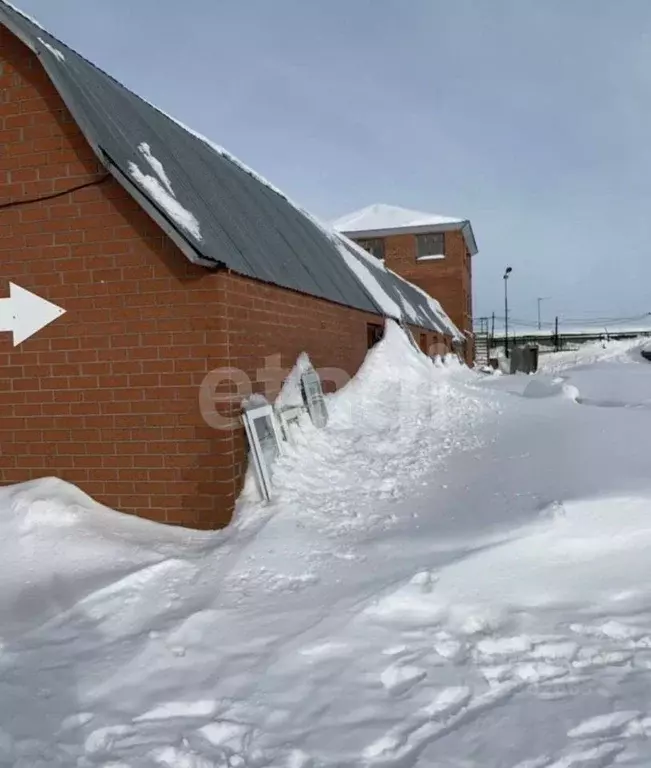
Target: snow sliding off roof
[(218, 211)]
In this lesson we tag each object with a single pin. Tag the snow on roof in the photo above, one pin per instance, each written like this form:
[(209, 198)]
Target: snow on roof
[(161, 190), (372, 285), (428, 309), (54, 51), (436, 309), (227, 208), (24, 15), (381, 216), (224, 153), (344, 246)]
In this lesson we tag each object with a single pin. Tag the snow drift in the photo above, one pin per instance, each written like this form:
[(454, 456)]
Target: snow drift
[(449, 575)]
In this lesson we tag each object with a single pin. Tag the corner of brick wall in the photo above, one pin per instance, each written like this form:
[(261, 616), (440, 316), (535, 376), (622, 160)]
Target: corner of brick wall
[(448, 280)]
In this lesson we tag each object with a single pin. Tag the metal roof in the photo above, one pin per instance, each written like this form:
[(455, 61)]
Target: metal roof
[(218, 211)]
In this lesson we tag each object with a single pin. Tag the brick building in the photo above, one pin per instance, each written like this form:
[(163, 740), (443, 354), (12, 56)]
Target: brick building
[(140, 257), (434, 252)]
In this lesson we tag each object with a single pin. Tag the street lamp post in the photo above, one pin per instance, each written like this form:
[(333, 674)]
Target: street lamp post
[(506, 311)]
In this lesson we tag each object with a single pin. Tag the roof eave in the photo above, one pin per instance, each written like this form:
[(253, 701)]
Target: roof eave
[(422, 229), (463, 225), (469, 237)]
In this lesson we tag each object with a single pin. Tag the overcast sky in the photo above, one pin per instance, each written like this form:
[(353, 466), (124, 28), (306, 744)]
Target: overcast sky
[(532, 118)]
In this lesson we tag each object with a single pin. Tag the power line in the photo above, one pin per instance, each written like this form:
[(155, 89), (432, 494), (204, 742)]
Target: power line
[(54, 195), (597, 322)]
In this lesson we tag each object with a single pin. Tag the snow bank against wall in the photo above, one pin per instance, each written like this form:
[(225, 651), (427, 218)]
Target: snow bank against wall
[(399, 415)]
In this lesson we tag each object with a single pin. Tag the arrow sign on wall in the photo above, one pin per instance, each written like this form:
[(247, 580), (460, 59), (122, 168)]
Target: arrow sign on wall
[(24, 313)]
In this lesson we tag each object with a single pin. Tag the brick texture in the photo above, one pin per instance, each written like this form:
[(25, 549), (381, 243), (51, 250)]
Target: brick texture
[(449, 280), (111, 396), (269, 327)]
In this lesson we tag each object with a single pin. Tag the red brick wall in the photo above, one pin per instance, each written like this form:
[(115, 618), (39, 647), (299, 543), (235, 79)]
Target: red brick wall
[(266, 321), (449, 280), (107, 396)]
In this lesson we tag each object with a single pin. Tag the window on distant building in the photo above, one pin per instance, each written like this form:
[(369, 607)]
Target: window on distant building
[(374, 246), (430, 246), (373, 334)]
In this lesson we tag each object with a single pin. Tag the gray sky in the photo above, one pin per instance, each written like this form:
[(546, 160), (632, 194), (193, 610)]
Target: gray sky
[(530, 117)]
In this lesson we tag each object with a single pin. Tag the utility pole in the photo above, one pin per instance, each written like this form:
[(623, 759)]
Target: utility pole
[(507, 272), (556, 339)]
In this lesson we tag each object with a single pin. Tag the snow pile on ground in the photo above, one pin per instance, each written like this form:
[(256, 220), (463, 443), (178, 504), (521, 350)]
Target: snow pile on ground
[(587, 354), (450, 574), (549, 386), (60, 545), (393, 421)]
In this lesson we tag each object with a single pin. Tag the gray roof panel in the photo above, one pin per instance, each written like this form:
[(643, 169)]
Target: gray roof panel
[(244, 224)]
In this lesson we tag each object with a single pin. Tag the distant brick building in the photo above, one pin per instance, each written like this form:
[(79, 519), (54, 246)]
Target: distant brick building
[(434, 252), (170, 260)]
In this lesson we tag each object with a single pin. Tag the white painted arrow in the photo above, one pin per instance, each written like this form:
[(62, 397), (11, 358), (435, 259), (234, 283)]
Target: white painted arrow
[(24, 313)]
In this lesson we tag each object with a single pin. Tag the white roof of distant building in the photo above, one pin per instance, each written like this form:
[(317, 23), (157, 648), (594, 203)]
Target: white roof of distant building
[(381, 219), (381, 216)]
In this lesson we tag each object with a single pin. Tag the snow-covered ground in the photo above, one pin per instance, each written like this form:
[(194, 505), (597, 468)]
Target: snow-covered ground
[(455, 572)]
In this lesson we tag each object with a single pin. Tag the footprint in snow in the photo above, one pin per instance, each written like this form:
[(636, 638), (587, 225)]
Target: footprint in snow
[(591, 658), (104, 740), (451, 708), (562, 688), (400, 679), (504, 647), (329, 649), (177, 709), (298, 759), (554, 651), (538, 672), (76, 721), (610, 630), (594, 757), (602, 726), (171, 757), (225, 733), (395, 650), (425, 580), (447, 702), (448, 648)]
